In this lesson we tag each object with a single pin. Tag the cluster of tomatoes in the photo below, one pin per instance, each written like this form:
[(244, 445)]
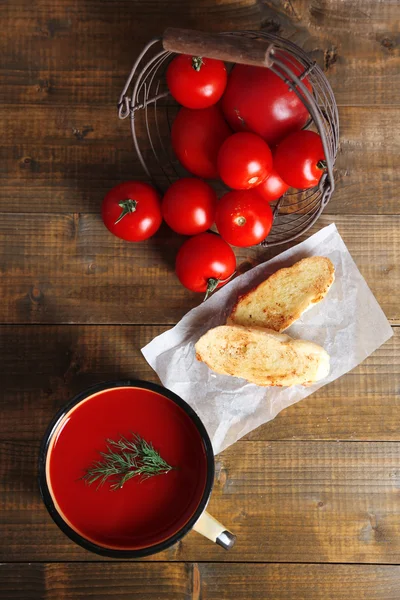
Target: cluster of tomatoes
[(268, 153)]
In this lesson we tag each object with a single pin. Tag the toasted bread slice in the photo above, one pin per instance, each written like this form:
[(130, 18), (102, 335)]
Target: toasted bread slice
[(280, 300), (262, 356)]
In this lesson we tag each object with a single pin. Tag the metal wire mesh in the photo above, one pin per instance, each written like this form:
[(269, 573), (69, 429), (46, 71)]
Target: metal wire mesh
[(146, 100)]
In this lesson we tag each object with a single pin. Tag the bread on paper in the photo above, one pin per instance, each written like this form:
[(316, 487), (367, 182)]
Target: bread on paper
[(280, 300), (262, 356)]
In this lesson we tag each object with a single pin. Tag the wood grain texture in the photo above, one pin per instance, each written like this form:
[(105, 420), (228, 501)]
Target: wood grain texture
[(62, 159), (94, 37), (70, 269), (44, 581), (326, 502), (356, 42), (102, 582), (85, 50), (63, 360)]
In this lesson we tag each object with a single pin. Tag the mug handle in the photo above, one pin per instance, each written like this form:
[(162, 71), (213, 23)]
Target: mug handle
[(214, 531)]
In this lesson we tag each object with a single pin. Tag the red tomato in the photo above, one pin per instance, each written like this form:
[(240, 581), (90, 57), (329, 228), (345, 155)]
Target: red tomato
[(189, 206), (300, 159), (132, 211), (244, 161), (243, 218), (256, 99), (205, 262), (197, 136), (196, 82), (272, 188)]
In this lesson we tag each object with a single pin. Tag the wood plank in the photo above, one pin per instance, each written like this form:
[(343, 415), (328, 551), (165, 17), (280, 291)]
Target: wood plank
[(356, 41), (63, 360), (47, 581), (63, 159), (106, 36), (297, 582), (326, 502), (70, 269), (65, 125), (101, 581), (85, 53), (366, 174), (67, 158)]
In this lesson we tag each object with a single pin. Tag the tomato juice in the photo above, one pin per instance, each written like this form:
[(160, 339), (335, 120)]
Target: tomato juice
[(142, 513)]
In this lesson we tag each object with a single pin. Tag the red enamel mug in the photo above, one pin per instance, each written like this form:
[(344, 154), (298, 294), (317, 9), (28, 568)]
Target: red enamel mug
[(147, 514)]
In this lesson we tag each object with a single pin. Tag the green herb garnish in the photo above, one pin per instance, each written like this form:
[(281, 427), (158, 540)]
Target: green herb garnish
[(126, 459)]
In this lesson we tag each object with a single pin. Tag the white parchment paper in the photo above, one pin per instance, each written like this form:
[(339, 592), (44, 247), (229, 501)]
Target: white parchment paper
[(348, 323)]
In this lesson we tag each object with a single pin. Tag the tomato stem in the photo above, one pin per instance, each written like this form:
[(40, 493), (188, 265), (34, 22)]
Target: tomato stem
[(321, 164), (213, 283), (239, 116), (197, 63), (128, 206)]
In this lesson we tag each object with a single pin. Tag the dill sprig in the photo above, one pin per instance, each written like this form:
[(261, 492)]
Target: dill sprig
[(125, 459)]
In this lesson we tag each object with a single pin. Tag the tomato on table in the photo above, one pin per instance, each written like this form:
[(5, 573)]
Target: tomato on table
[(132, 211), (196, 82), (197, 136), (244, 161), (204, 263), (300, 159), (272, 188), (243, 218), (188, 206), (258, 100)]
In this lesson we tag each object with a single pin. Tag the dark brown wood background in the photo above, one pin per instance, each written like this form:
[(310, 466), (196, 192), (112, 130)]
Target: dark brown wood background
[(314, 496)]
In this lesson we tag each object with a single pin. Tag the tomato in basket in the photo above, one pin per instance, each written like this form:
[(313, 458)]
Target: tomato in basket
[(243, 218), (196, 82), (244, 161), (272, 188), (300, 159), (197, 136), (258, 100)]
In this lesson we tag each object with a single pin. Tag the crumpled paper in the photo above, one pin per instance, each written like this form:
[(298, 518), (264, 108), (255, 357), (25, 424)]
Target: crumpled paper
[(348, 323)]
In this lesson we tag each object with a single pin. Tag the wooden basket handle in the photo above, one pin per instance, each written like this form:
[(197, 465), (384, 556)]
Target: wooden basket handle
[(230, 48)]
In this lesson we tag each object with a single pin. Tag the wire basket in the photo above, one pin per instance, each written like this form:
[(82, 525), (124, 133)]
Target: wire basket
[(146, 100)]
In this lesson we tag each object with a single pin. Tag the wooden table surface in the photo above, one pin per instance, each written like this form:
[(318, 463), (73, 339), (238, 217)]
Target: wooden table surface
[(314, 495)]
